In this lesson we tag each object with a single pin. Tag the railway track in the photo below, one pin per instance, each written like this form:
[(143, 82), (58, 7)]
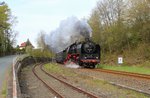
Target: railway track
[(137, 79), (46, 85), (58, 95), (136, 75)]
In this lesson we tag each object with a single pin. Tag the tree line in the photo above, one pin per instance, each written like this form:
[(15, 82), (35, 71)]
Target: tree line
[(7, 34), (120, 25)]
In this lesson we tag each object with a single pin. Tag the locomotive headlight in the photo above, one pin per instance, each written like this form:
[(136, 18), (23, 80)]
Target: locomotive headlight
[(96, 57), (85, 57)]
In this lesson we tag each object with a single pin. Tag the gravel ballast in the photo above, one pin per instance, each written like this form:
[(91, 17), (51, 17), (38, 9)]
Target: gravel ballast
[(139, 84), (95, 85), (93, 82), (64, 90), (31, 87)]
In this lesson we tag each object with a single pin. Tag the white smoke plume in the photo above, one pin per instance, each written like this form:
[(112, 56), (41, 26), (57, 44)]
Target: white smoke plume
[(69, 31), (70, 64)]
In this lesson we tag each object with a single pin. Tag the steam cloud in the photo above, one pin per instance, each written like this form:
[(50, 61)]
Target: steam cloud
[(69, 31)]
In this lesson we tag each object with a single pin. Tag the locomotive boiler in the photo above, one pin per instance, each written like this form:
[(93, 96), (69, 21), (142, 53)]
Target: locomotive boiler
[(85, 53)]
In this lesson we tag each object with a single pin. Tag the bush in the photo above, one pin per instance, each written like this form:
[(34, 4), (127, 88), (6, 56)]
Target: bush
[(40, 53)]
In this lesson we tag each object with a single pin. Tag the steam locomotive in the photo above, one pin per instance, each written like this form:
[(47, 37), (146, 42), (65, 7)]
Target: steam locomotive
[(86, 54)]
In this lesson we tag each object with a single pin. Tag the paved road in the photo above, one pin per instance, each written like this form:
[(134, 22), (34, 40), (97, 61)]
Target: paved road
[(5, 63)]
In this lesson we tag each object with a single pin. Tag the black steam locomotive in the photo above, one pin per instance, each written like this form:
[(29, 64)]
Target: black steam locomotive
[(86, 54)]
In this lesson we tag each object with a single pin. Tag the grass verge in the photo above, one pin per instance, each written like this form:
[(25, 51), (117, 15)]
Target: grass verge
[(53, 67), (4, 92), (135, 69)]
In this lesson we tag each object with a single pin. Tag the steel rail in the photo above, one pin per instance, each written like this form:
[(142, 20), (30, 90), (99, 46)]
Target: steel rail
[(121, 73), (137, 75), (46, 85), (68, 84)]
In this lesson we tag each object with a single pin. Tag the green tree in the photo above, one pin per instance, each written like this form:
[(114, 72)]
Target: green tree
[(107, 22), (139, 20), (94, 21), (122, 26), (7, 35)]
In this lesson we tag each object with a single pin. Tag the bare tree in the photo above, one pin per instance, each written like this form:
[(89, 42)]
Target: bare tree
[(111, 11), (41, 40)]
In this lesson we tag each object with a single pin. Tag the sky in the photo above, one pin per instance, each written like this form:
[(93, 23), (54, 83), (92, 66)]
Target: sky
[(34, 16)]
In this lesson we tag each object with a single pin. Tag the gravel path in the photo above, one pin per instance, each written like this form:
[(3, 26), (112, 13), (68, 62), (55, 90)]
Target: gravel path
[(131, 82), (31, 87)]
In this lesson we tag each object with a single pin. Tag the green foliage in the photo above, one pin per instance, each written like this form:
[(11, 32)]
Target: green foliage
[(4, 90), (134, 69), (7, 35), (55, 68), (120, 25), (39, 52), (43, 50), (28, 49)]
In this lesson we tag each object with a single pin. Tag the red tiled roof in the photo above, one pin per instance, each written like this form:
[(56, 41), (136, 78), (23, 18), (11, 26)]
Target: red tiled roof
[(23, 44)]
